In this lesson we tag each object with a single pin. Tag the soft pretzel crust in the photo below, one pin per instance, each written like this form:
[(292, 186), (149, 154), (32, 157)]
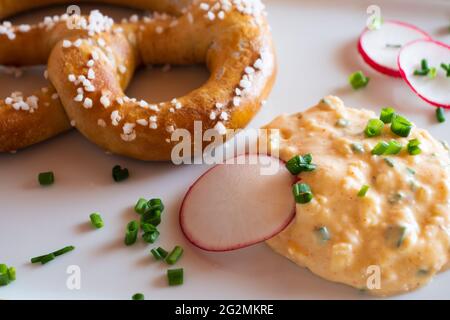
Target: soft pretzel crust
[(90, 71)]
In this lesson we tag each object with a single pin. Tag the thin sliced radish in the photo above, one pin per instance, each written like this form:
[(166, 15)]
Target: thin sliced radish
[(244, 201), (380, 47), (435, 91)]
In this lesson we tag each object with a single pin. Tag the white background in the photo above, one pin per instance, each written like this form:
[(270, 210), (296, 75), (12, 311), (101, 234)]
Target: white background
[(316, 45)]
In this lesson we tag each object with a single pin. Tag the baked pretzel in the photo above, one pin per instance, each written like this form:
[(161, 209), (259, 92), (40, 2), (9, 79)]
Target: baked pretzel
[(91, 69)]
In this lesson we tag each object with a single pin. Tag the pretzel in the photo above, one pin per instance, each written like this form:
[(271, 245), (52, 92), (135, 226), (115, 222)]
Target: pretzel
[(90, 71)]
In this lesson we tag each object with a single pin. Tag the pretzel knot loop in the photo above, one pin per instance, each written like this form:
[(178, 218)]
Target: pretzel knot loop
[(91, 66)]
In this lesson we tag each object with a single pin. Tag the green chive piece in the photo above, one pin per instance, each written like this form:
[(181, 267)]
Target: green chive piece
[(421, 72), (363, 191), (96, 220), (119, 174), (422, 272), (387, 114), (138, 296), (151, 217), (424, 64), (175, 277), (47, 258), (395, 236), (163, 253), (300, 164), (51, 256), (380, 148), (389, 162), (413, 147), (432, 73), (4, 277), (411, 171), (147, 227), (156, 254), (12, 273), (401, 126), (131, 233), (174, 255), (374, 128), (46, 178), (395, 197), (358, 80), (302, 193), (343, 123), (394, 147), (357, 147), (424, 68), (37, 259), (323, 233), (63, 251), (151, 237), (446, 68), (141, 206), (155, 204), (440, 116)]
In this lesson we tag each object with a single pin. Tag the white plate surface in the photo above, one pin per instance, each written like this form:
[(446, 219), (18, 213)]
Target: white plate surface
[(316, 45)]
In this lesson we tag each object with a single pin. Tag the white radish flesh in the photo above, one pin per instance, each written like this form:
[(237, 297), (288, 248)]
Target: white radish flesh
[(380, 47), (237, 205), (435, 91)]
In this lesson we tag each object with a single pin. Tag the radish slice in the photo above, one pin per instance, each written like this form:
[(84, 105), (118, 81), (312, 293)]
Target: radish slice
[(238, 203), (435, 91), (380, 47)]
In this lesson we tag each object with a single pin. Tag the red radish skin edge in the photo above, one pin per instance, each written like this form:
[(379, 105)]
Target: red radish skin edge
[(405, 77), (378, 67), (241, 245)]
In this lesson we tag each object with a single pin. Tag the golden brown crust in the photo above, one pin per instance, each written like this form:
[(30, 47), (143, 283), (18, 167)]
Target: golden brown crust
[(235, 47)]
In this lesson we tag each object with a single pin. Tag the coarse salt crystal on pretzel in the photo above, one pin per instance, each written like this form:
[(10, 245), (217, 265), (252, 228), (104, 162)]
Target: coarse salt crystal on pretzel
[(231, 46)]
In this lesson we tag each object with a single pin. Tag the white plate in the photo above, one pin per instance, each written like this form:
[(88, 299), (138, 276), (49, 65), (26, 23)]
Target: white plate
[(316, 45)]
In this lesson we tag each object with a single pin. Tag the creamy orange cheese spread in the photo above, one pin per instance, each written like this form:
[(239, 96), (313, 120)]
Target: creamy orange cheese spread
[(400, 230)]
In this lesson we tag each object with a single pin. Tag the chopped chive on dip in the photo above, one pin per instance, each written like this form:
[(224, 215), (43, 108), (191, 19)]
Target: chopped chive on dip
[(440, 116), (7, 274), (96, 220), (138, 296), (131, 233), (395, 236), (302, 193), (46, 178), (401, 126), (394, 147), (446, 68), (174, 255), (363, 191), (357, 147), (322, 233), (387, 114), (175, 277), (413, 147), (389, 162), (358, 80), (380, 148), (387, 148), (51, 256), (374, 128), (120, 174), (342, 122), (300, 164)]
